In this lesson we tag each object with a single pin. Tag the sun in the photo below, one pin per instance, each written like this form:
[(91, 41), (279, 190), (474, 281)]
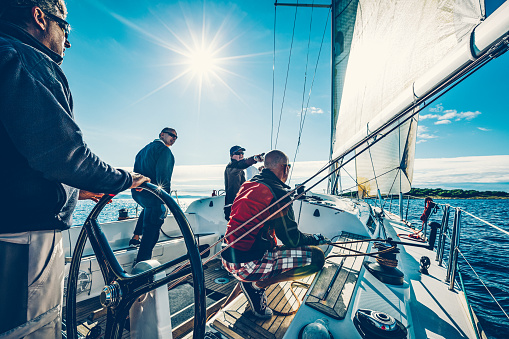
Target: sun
[(202, 62), (200, 52)]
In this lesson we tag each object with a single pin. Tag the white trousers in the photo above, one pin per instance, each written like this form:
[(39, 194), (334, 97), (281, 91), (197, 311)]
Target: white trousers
[(32, 282)]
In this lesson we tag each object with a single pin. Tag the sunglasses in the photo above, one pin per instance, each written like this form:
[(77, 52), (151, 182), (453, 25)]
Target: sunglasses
[(64, 25), (287, 165), (171, 134), (238, 153)]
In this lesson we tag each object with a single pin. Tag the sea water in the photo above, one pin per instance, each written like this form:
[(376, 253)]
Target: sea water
[(485, 248)]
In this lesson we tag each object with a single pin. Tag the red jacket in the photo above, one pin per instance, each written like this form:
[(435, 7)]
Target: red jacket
[(253, 197)]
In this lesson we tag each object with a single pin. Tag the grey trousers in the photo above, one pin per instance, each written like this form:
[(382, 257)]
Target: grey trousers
[(31, 284)]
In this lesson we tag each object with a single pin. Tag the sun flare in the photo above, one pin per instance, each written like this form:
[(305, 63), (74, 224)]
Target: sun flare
[(202, 62)]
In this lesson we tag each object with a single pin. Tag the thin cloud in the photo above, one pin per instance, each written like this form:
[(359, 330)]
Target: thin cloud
[(315, 110), (449, 116), (484, 129), (438, 108), (422, 134), (442, 122)]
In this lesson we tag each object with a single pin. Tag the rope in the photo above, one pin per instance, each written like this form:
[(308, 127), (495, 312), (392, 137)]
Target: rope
[(486, 287), (287, 73), (381, 260)]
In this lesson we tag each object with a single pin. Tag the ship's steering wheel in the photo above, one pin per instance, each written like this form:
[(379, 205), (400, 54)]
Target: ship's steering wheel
[(126, 288)]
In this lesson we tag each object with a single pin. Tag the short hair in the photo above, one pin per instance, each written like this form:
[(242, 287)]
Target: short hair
[(18, 11), (168, 129), (275, 158)]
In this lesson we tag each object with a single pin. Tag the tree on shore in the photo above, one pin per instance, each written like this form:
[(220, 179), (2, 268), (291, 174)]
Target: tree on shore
[(456, 193)]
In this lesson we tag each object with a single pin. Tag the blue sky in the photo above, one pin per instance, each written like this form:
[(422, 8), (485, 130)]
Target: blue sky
[(131, 73)]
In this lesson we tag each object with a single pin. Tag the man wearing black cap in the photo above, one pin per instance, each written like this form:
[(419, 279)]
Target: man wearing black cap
[(234, 175), (155, 161)]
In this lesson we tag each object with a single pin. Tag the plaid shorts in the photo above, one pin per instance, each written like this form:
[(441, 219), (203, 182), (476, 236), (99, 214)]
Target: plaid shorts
[(274, 262)]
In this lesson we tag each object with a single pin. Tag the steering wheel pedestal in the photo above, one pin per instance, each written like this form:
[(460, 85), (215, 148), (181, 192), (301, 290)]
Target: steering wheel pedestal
[(150, 314)]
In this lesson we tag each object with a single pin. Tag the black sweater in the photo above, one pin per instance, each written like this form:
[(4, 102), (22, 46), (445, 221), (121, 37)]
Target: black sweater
[(43, 157)]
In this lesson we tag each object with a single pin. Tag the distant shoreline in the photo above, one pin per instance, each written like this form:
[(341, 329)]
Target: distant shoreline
[(439, 193), (459, 198)]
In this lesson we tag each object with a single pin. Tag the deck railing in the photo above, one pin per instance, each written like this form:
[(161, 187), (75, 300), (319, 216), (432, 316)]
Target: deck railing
[(449, 235)]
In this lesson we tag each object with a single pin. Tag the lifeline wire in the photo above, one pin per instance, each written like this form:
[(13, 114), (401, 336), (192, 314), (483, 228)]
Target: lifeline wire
[(487, 223), (486, 287)]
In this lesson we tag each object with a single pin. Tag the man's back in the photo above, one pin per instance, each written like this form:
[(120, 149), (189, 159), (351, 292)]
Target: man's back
[(234, 177), (156, 161)]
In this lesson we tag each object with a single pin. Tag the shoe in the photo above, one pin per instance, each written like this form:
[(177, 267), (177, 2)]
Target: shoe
[(134, 242), (257, 300)]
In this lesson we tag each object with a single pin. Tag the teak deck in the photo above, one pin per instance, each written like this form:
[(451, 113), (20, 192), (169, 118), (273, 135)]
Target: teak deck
[(331, 294), (237, 321), (335, 284)]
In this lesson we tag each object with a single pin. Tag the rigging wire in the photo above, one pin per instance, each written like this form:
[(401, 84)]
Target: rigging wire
[(273, 77), (303, 116), (390, 189), (400, 118), (374, 173), (287, 73), (303, 91)]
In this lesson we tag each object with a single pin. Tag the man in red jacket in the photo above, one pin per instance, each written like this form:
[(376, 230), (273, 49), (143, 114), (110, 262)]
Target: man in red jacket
[(255, 259)]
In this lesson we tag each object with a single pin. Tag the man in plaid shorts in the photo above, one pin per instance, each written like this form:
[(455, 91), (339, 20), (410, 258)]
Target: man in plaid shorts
[(255, 260)]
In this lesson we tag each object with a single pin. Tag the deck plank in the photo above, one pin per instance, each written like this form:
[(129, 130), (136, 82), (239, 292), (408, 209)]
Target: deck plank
[(339, 278), (237, 317)]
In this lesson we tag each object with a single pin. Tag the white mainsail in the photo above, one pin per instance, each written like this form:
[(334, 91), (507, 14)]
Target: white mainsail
[(381, 48)]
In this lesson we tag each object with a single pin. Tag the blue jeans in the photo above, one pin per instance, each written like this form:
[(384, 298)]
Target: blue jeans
[(153, 214)]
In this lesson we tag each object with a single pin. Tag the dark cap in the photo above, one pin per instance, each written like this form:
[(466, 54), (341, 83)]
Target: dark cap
[(236, 149)]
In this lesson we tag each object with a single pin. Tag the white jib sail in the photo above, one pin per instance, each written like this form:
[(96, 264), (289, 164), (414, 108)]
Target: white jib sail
[(381, 48)]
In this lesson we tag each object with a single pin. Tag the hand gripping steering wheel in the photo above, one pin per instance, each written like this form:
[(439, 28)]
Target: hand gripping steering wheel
[(126, 288)]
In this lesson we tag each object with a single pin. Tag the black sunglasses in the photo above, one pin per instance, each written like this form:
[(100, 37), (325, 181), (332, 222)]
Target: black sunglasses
[(238, 153), (171, 134), (64, 25)]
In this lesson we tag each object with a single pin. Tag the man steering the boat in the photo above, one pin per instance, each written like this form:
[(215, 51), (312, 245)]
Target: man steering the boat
[(234, 175), (46, 166), (255, 259)]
